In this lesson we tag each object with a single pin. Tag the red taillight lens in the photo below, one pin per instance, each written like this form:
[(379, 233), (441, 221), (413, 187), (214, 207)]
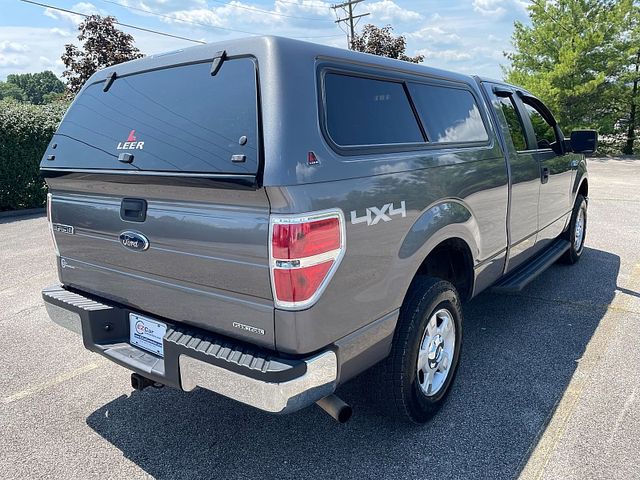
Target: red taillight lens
[(299, 284), (305, 252), (299, 240)]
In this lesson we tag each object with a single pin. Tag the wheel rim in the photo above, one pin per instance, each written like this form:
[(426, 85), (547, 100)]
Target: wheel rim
[(436, 352), (579, 230)]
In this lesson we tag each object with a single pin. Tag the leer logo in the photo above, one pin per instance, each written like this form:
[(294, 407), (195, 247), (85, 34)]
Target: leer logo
[(131, 143)]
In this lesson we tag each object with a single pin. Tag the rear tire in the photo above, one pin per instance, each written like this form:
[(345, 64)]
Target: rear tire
[(425, 352), (577, 231)]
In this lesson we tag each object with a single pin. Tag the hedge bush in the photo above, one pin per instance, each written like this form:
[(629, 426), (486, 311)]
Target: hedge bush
[(25, 132)]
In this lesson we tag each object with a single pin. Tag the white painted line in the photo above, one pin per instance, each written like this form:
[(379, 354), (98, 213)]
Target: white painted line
[(54, 381)]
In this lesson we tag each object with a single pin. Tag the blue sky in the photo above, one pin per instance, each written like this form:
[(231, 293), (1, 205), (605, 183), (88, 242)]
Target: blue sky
[(467, 36)]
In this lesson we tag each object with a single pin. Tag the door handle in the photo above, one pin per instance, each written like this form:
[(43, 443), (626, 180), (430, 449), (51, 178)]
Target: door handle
[(544, 175), (133, 210)]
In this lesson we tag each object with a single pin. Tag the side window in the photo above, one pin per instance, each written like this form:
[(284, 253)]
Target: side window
[(450, 115), (516, 129), (364, 111), (545, 135)]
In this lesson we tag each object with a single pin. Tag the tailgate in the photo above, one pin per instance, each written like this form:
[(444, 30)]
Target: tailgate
[(207, 258)]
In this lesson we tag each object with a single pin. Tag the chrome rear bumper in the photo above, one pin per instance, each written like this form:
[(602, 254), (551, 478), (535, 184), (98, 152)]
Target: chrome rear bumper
[(316, 383)]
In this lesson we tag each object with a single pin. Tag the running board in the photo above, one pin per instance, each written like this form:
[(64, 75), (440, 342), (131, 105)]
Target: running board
[(522, 276)]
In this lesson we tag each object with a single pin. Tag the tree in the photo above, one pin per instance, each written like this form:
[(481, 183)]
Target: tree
[(37, 86), (9, 90), (103, 45), (630, 53), (381, 41), (575, 57)]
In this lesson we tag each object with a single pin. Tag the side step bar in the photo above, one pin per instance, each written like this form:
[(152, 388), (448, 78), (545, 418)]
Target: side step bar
[(522, 276)]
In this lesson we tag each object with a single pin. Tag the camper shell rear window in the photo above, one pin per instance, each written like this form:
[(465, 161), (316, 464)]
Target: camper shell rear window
[(175, 119)]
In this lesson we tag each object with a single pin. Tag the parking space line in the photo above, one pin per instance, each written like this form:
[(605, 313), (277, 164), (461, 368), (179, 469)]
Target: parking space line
[(554, 430), (54, 381)]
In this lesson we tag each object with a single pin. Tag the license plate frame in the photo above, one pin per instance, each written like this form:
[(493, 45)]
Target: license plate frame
[(147, 333)]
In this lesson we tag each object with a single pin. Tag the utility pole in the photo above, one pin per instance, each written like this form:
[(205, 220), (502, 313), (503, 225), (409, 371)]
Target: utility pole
[(348, 8)]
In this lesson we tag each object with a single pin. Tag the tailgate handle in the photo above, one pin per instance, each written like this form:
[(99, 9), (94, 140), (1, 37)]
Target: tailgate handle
[(133, 210)]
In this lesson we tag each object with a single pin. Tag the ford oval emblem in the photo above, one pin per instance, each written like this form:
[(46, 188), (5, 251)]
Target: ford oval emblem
[(134, 241)]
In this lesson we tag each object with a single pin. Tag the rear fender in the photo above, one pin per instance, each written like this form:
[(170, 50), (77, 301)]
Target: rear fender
[(445, 220)]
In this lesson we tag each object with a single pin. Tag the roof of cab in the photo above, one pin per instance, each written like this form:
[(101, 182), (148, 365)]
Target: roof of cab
[(265, 48)]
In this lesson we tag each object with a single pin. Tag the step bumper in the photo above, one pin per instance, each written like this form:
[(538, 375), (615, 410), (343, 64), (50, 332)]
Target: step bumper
[(194, 358)]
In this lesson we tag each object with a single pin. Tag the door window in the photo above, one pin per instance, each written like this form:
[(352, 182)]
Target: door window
[(516, 129), (544, 132)]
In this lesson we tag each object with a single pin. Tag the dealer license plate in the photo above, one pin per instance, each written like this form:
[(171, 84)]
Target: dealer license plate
[(146, 333)]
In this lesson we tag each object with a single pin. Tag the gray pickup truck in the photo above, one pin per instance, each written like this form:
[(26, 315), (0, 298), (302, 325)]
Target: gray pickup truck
[(267, 218)]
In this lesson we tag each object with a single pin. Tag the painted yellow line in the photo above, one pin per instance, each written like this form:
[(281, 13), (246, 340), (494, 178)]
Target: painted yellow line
[(54, 381), (595, 349)]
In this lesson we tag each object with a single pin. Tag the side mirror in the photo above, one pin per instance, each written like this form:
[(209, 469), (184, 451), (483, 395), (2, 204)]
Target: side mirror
[(584, 141)]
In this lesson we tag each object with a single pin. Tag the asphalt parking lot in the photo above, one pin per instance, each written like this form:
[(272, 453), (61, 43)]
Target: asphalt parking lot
[(548, 385)]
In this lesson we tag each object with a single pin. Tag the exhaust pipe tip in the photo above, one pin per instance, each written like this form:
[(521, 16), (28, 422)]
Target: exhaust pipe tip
[(336, 407)]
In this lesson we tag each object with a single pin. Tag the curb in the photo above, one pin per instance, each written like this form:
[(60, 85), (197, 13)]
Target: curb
[(22, 213)]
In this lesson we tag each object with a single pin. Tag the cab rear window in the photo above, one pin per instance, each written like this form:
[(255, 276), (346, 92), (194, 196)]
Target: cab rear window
[(364, 111), (178, 119), (373, 112)]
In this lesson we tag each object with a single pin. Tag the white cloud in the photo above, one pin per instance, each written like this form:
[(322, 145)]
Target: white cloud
[(223, 16), (82, 7), (306, 17), (498, 8), (448, 55), (164, 5), (13, 47), (60, 32), (13, 60), (389, 11), (306, 8), (433, 35)]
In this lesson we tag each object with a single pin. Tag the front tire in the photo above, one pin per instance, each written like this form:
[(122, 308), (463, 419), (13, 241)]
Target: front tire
[(577, 231), (426, 350)]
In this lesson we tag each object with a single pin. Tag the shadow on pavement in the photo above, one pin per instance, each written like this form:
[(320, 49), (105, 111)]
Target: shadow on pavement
[(519, 355)]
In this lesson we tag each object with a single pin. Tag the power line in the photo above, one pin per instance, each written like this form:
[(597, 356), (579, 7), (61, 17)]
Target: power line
[(116, 22), (200, 24), (348, 8)]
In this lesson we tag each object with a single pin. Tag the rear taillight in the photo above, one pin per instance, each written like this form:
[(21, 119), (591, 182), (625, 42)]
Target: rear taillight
[(49, 219), (305, 251)]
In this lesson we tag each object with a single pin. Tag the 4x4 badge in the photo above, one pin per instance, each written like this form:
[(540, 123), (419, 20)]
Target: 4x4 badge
[(374, 214)]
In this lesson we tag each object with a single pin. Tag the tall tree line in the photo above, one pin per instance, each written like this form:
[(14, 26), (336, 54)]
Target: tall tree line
[(582, 57)]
